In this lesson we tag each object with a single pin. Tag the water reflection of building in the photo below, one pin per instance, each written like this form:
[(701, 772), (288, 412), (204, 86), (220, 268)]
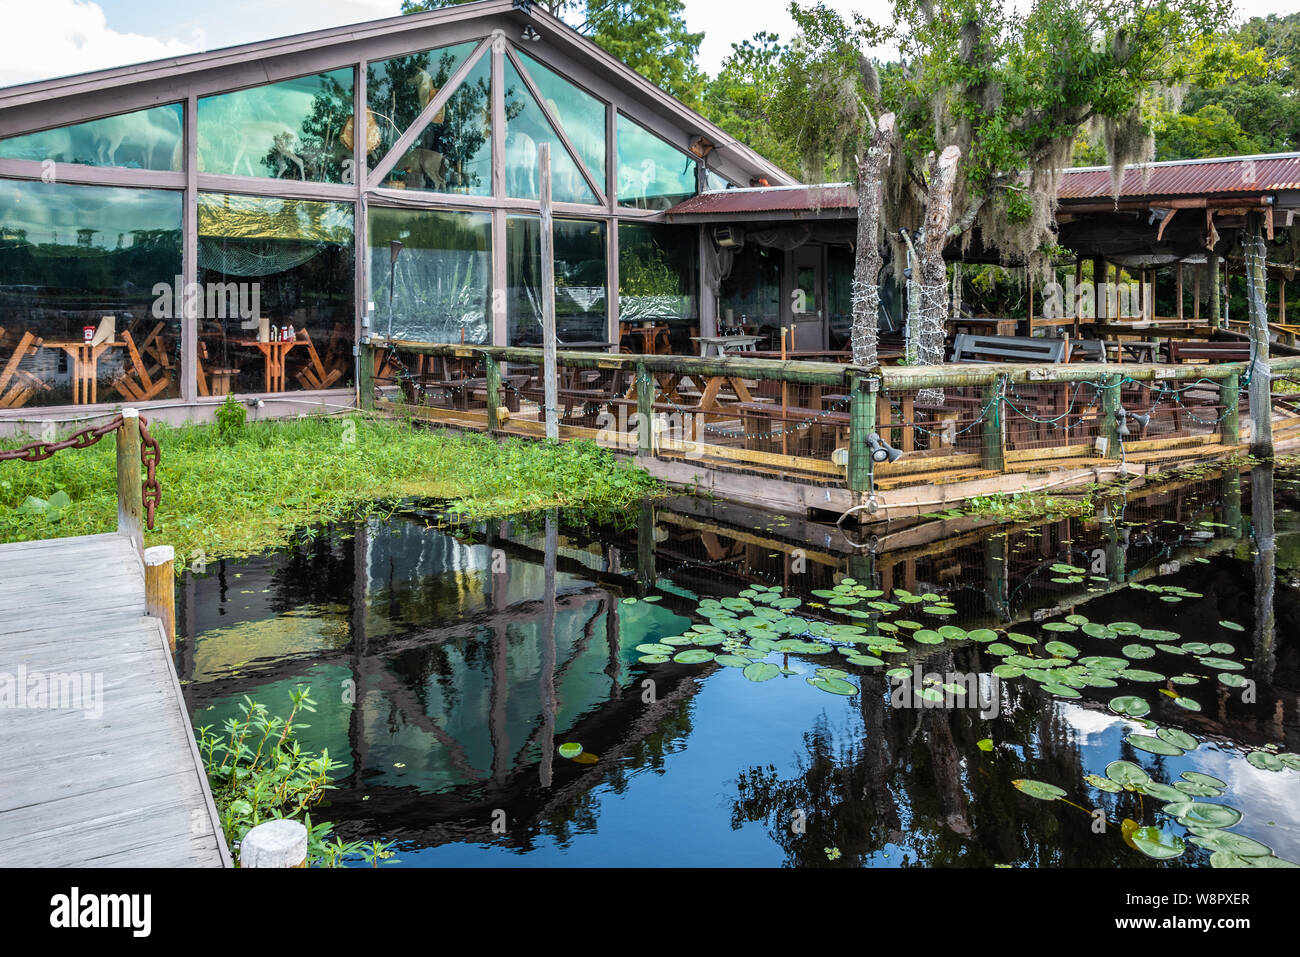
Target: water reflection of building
[(445, 675)]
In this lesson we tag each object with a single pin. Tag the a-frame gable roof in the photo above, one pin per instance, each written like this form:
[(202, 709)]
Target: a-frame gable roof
[(64, 100)]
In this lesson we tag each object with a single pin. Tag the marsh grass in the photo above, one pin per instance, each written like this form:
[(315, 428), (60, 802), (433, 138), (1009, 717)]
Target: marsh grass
[(249, 491)]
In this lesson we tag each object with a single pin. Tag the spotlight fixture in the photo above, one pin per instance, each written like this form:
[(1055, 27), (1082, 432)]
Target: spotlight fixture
[(882, 451), (529, 34)]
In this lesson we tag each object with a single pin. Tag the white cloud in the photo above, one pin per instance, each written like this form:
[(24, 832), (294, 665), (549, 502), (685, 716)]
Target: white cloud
[(52, 38)]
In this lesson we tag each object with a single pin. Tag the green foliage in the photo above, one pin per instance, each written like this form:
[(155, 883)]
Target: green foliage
[(650, 36), (258, 772), (231, 417), (1211, 131), (241, 497)]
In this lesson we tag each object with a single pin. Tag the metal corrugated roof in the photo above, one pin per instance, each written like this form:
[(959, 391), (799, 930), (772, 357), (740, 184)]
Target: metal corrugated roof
[(1208, 177), (1266, 173), (770, 199)]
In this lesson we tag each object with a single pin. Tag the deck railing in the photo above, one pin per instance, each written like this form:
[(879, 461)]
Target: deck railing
[(813, 419)]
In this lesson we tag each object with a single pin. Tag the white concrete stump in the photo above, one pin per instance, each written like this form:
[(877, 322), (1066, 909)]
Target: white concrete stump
[(274, 844)]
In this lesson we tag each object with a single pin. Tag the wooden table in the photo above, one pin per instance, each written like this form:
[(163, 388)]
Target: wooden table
[(1140, 351), (275, 353), (648, 336), (85, 367), (722, 344)]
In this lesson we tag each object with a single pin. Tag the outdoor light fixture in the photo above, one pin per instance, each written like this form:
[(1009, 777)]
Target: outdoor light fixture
[(529, 34), (1142, 419), (882, 451)]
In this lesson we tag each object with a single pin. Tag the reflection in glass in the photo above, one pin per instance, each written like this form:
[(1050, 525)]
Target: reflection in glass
[(526, 128), (751, 294), (651, 174), (78, 258), (658, 278), (442, 277), (290, 130), (398, 89), (296, 255), (580, 113), (454, 152), (145, 139), (580, 296)]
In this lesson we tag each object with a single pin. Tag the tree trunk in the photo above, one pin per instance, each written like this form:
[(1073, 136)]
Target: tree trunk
[(931, 323), (867, 263), (1261, 384)]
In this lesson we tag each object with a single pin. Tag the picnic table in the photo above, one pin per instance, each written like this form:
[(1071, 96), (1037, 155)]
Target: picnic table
[(721, 345), (274, 352), (85, 367)]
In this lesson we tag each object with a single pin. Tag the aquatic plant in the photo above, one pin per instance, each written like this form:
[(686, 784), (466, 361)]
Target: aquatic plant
[(259, 772)]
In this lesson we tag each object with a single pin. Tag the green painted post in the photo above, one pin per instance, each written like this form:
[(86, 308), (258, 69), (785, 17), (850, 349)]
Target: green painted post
[(1230, 399), (366, 377), (1109, 408), (493, 393), (994, 453), (645, 410), (862, 422)]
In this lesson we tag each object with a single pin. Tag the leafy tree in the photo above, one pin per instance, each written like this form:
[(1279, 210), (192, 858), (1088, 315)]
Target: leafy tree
[(1210, 131), (650, 36)]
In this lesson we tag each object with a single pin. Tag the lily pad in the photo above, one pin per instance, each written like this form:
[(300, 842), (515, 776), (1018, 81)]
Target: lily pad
[(570, 750), (1157, 844), (654, 648), (1130, 705), (1179, 739), (1137, 652), (761, 671), (1153, 745), (693, 656), (834, 685), (1039, 789), (1202, 814), (1127, 774)]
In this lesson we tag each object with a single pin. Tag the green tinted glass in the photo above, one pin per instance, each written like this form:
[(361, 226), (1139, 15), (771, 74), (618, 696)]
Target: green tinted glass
[(398, 89), (526, 129), (580, 300), (145, 139), (651, 174), (580, 113), (453, 153), (290, 130)]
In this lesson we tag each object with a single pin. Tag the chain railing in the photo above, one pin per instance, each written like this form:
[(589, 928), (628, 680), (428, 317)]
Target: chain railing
[(150, 456)]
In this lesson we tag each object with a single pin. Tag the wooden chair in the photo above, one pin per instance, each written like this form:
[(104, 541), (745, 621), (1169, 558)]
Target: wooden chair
[(18, 385), (315, 375), (141, 382)]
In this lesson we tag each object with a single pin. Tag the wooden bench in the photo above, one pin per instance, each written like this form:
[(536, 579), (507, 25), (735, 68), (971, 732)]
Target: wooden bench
[(1086, 350), (1184, 352), (970, 348)]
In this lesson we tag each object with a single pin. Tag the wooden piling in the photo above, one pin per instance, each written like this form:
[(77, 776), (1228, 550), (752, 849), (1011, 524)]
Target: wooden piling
[(160, 588), (1109, 420), (130, 500), (1261, 379), (280, 843), (993, 451), (549, 372), (862, 422), (1230, 399), (645, 406), (493, 393)]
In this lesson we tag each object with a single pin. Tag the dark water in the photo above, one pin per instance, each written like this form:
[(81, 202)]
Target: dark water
[(450, 662)]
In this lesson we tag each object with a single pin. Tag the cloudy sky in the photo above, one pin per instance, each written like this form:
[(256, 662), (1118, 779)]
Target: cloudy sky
[(45, 38)]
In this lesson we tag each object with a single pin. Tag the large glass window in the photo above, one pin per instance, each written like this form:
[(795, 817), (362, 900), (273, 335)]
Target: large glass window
[(651, 174), (580, 113), (658, 279), (277, 280), (290, 130), (526, 128), (453, 154), (441, 274), (87, 288), (398, 90), (145, 139), (581, 306), (750, 300)]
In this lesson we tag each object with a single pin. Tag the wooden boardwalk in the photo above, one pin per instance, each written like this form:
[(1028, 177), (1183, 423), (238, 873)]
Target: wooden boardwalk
[(114, 779)]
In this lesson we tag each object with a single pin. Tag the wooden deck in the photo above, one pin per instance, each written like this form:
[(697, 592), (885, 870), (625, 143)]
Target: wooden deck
[(126, 787)]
